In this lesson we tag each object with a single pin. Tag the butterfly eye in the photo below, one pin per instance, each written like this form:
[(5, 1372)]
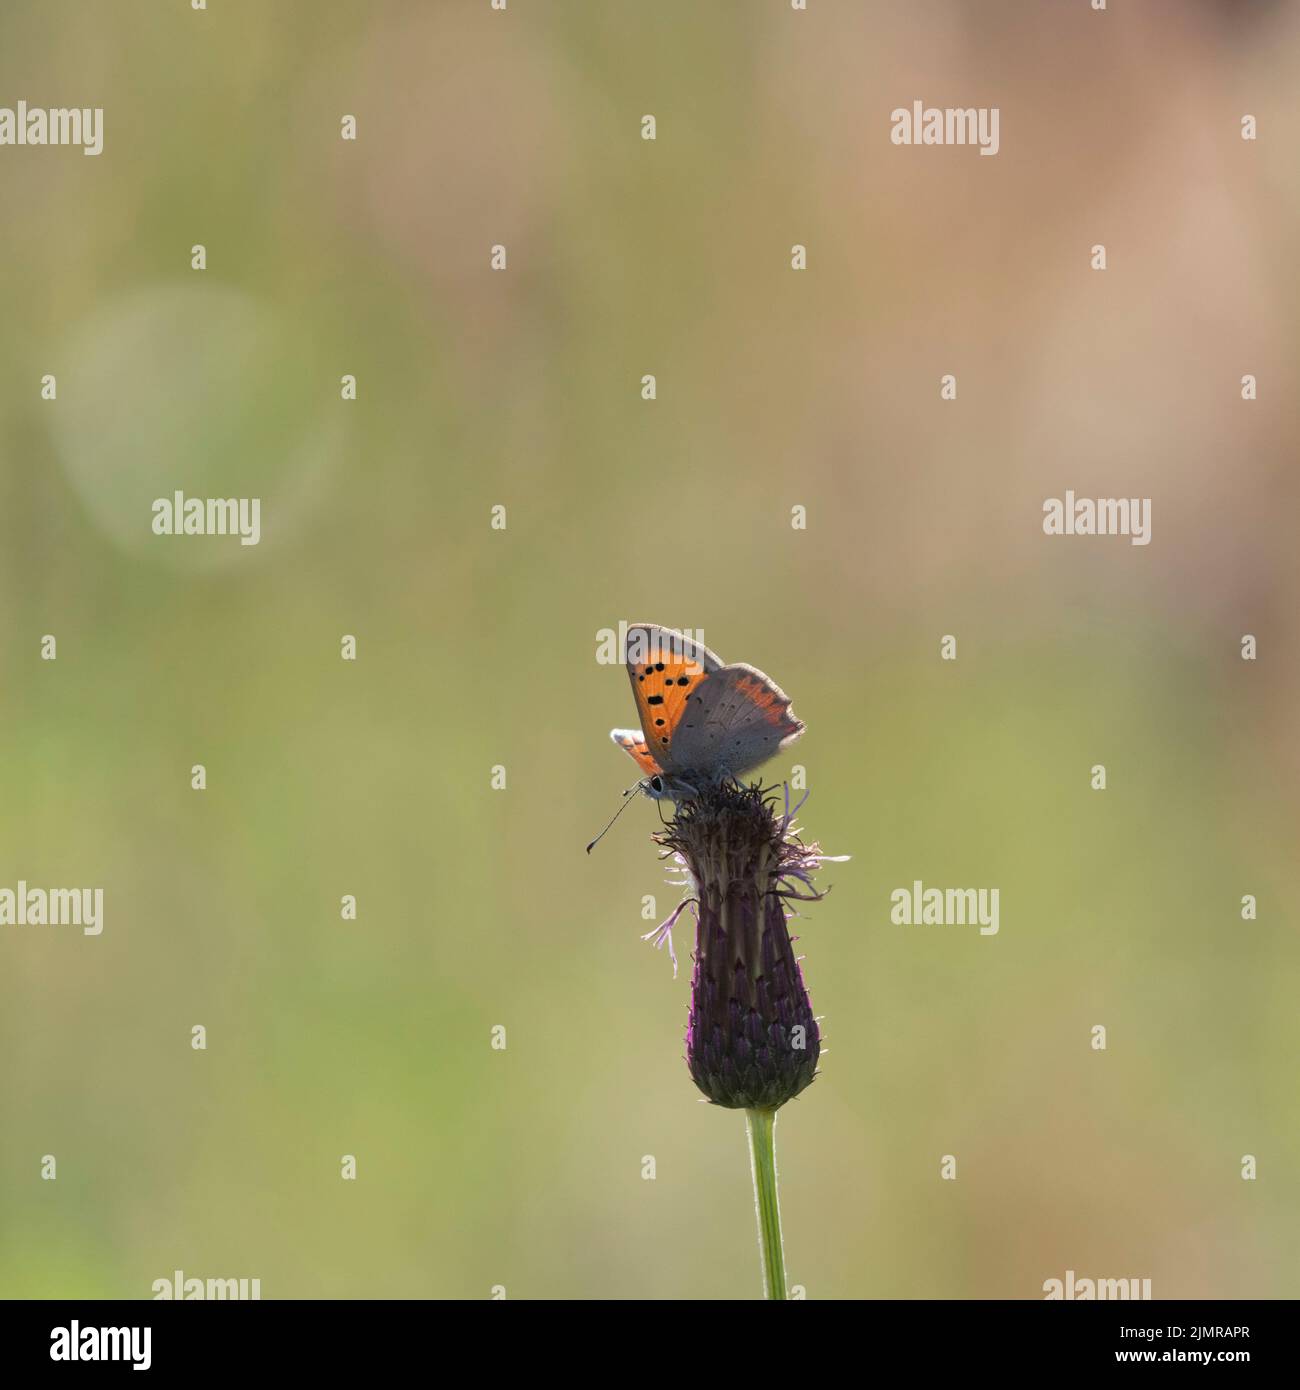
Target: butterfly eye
[(656, 785)]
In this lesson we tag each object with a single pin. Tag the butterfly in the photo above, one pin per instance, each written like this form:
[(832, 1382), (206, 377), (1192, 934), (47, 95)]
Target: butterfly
[(701, 719)]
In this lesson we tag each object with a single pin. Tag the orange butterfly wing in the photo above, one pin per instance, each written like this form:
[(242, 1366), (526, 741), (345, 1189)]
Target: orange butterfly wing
[(632, 741), (665, 668)]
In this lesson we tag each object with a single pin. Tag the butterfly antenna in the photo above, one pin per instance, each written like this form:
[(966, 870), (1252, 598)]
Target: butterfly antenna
[(635, 787)]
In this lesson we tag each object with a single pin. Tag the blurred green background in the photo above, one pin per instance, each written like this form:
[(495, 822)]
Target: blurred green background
[(477, 647)]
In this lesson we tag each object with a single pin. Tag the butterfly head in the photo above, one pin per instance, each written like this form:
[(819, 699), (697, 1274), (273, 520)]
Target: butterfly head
[(658, 787), (661, 787)]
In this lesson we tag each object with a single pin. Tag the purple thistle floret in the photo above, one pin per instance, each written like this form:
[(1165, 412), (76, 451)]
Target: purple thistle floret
[(752, 1041)]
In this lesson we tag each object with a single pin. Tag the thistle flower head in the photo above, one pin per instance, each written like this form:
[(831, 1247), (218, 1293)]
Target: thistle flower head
[(752, 1041)]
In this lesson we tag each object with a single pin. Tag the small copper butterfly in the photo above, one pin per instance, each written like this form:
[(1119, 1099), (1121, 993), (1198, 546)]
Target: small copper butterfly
[(701, 720)]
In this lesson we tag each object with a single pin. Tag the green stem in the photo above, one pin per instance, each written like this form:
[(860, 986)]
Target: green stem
[(762, 1162)]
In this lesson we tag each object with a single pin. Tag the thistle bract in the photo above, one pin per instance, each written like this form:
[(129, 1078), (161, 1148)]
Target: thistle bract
[(752, 1041)]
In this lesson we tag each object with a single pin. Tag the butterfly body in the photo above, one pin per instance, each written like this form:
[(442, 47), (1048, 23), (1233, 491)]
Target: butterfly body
[(702, 720)]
